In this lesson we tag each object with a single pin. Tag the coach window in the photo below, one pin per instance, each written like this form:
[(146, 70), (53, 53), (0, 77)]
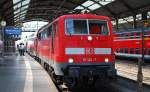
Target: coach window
[(138, 34), (121, 50), (49, 31), (148, 51), (148, 35), (131, 50), (43, 34), (131, 35), (117, 50), (137, 51), (145, 33), (145, 51), (125, 50), (122, 36)]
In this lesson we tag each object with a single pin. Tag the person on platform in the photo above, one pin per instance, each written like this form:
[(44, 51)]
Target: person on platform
[(21, 49)]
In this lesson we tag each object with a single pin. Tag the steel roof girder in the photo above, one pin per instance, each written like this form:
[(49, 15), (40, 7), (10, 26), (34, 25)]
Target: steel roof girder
[(105, 7), (127, 5)]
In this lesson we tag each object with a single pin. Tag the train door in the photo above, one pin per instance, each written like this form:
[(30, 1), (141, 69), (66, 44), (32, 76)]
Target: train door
[(50, 34), (53, 39), (52, 42), (35, 46), (38, 44)]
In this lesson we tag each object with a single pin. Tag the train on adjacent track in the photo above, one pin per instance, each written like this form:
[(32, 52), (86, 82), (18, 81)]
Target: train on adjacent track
[(30, 48), (77, 48), (128, 43)]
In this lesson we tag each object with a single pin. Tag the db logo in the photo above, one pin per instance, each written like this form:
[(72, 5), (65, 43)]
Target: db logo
[(89, 50)]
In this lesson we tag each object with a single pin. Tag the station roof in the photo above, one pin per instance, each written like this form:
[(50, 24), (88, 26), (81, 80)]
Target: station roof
[(27, 10), (124, 8), (46, 9)]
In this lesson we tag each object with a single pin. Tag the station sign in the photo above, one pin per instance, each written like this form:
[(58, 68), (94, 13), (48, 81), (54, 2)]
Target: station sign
[(13, 31)]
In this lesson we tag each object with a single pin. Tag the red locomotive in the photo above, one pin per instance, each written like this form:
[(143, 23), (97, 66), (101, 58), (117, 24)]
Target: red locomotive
[(129, 43), (77, 47)]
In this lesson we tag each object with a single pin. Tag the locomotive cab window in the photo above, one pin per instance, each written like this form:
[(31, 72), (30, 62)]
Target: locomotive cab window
[(76, 26), (85, 26), (98, 27)]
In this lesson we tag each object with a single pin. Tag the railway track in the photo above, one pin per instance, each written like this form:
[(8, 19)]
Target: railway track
[(120, 85), (129, 69), (123, 83)]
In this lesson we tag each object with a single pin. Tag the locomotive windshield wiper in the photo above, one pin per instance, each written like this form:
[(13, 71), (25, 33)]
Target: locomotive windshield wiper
[(69, 33)]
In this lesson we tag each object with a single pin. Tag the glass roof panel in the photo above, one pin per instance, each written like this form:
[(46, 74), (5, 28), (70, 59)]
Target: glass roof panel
[(79, 7), (139, 16), (23, 12), (122, 21), (94, 6), (15, 1), (20, 7), (15, 7), (21, 17), (24, 8), (130, 18), (148, 15), (88, 3), (17, 11), (104, 2), (25, 2), (113, 23), (18, 17)]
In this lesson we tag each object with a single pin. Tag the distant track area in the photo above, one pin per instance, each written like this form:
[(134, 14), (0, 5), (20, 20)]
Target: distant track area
[(129, 69)]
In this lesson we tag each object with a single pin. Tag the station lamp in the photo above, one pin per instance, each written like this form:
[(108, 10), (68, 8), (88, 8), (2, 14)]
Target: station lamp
[(3, 23), (144, 19), (145, 23)]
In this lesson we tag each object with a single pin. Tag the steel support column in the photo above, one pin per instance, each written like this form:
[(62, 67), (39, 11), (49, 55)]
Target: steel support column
[(117, 24), (141, 61), (134, 22)]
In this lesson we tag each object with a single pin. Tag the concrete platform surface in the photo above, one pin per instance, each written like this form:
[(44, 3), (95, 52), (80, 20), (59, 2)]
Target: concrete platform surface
[(24, 74)]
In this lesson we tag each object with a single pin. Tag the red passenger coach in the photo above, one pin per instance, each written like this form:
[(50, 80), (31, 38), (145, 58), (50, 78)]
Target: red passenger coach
[(30, 46), (77, 46), (129, 43)]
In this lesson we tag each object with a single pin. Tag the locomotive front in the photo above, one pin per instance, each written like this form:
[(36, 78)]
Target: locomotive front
[(86, 47)]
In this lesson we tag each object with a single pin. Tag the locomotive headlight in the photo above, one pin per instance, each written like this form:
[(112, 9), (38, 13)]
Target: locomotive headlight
[(70, 60), (90, 38), (106, 60)]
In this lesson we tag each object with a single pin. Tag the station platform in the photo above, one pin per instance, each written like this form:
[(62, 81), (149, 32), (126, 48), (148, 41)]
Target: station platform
[(129, 69), (23, 74)]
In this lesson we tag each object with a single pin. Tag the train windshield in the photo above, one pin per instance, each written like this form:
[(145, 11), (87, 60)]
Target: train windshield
[(85, 26)]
